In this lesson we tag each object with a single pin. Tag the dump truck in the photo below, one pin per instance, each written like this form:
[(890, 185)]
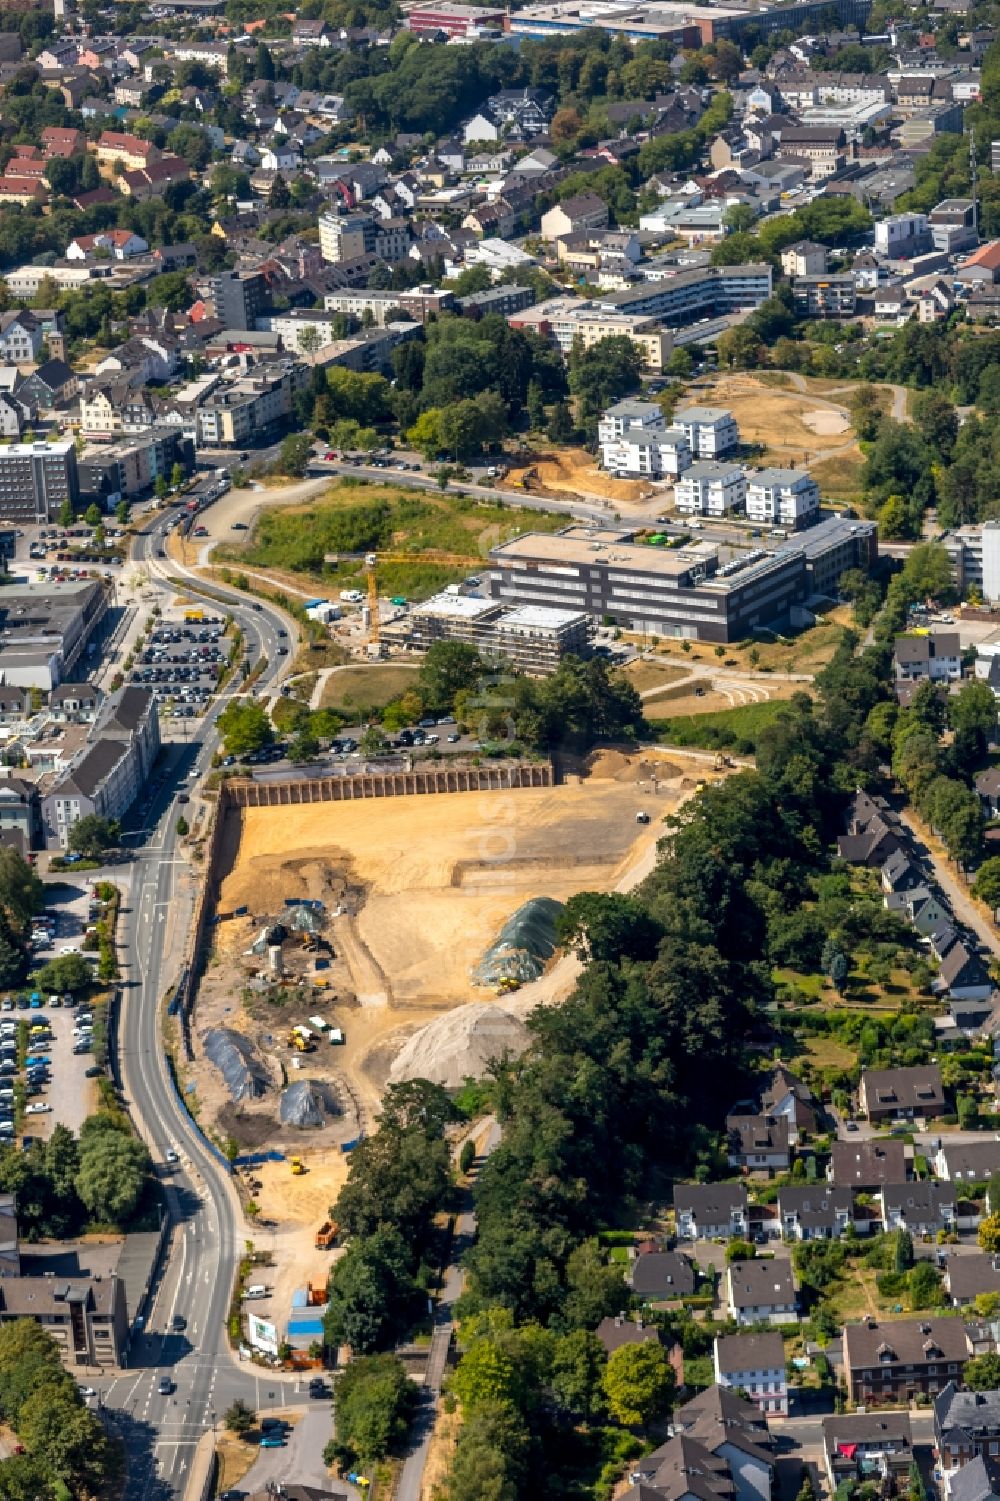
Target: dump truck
[(326, 1235), (295, 1163), (300, 1044), (721, 762)]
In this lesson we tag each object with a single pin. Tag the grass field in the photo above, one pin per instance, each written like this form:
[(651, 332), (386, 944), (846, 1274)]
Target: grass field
[(840, 478), (646, 675), (802, 651), (427, 540), (364, 688), (736, 728)]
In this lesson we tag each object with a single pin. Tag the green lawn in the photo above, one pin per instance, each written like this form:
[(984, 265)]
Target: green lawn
[(367, 687), (426, 540), (737, 729)]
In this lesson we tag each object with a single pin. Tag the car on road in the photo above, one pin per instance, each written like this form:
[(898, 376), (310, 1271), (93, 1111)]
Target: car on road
[(240, 526), (39, 1109), (183, 797), (170, 1155), (282, 651), (164, 1386), (850, 1125), (178, 1324), (272, 1441), (87, 1391)]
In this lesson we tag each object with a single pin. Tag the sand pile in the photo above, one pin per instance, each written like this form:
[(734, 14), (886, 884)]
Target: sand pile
[(459, 1045)]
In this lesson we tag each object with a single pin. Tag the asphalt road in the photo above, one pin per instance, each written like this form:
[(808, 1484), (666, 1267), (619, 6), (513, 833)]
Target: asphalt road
[(161, 1431)]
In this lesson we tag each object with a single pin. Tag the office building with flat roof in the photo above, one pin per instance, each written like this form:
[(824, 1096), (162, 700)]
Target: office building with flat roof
[(655, 591), (532, 639), (35, 480), (43, 631)]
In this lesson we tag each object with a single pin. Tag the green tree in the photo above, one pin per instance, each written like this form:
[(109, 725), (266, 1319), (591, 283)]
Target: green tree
[(448, 668), (66, 514), (113, 1169), (608, 927), (121, 512), (988, 1235), (986, 886), (638, 1383), (92, 836), (560, 424), (245, 728), (22, 894), (375, 1403), (486, 1372), (296, 451), (972, 714), (578, 1373), (170, 289), (70, 973), (982, 1373), (372, 1294), (239, 1418), (177, 476), (93, 515)]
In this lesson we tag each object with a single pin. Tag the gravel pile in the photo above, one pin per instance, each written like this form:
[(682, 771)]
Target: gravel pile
[(459, 1045)]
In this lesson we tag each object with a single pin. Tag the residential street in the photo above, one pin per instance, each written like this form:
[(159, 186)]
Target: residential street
[(958, 899)]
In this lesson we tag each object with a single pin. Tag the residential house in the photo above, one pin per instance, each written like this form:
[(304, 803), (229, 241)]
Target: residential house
[(899, 875), (893, 1362), (987, 783), (804, 258), (732, 1429), (53, 384), (975, 1481), (131, 153), (111, 244), (867, 1165), (754, 1364), (868, 1447), (921, 1208), (585, 211), (963, 974), (21, 337), (967, 1161), (615, 1332), (968, 1277), (787, 1095), (711, 1211), (658, 1275), (966, 1426), (760, 1292), (816, 1212), (151, 181), (872, 831), (922, 908), (758, 1143), (896, 1094), (112, 770)]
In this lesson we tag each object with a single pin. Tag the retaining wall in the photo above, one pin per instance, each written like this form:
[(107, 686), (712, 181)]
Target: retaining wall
[(495, 777)]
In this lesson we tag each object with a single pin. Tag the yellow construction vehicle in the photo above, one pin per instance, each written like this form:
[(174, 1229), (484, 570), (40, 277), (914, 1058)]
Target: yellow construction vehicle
[(373, 561), (295, 1163)]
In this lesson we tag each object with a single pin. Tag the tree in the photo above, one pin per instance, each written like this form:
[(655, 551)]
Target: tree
[(372, 1294), (22, 894), (986, 886), (608, 927), (924, 1286), (92, 835), (560, 426), (375, 1402), (982, 1373), (917, 1490), (177, 476), (739, 348), (93, 515), (638, 1383), (449, 668), (69, 973), (578, 1373), (989, 1234), (296, 451), (245, 728), (182, 826), (372, 742), (170, 289), (113, 1169), (66, 514), (308, 339), (972, 713), (239, 1418)]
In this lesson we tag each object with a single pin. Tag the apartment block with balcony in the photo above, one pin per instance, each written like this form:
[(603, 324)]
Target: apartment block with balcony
[(710, 489), (782, 497)]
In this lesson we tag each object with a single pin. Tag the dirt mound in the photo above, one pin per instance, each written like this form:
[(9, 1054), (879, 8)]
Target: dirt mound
[(267, 883), (459, 1045), (617, 766), (573, 470)]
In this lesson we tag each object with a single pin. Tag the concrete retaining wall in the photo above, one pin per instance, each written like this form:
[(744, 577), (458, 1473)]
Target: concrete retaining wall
[(498, 776)]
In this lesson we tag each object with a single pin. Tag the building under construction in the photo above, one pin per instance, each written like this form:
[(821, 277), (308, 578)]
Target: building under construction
[(532, 638)]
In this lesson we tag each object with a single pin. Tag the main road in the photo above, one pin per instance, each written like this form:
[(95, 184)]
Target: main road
[(161, 1430)]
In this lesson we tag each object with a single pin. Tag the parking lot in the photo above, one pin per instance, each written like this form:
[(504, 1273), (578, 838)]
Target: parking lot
[(181, 663)]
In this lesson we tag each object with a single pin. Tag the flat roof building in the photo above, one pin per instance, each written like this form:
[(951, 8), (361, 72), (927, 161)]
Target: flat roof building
[(43, 631), (36, 479), (533, 639)]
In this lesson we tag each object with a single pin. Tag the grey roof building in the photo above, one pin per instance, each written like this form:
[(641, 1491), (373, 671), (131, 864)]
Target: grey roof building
[(965, 1424)]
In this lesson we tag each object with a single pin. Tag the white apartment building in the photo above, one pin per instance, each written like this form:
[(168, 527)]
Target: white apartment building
[(710, 489), (782, 497), (639, 453), (711, 431), (900, 235), (642, 414), (755, 1364)]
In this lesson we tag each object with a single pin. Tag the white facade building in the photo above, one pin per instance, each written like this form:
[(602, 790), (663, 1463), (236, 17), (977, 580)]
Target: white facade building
[(652, 455), (782, 497), (710, 489), (711, 431)]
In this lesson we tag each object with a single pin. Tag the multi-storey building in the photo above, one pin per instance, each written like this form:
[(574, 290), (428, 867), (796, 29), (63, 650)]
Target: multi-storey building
[(112, 770), (239, 298), (893, 1362), (782, 497), (754, 1364), (347, 237), (36, 479), (711, 431), (710, 489)]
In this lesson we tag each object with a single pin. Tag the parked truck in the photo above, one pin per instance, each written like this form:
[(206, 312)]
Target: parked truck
[(326, 1235)]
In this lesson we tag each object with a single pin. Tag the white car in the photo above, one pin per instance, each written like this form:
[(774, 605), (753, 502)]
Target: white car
[(38, 1109), (87, 1391), (170, 1155)]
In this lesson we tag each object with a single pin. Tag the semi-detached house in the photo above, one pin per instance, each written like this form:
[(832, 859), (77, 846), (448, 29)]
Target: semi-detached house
[(893, 1362), (711, 1211), (755, 1364), (761, 1291)]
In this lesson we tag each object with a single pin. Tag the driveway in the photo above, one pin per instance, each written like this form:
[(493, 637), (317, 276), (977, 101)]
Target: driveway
[(962, 905), (301, 1459)]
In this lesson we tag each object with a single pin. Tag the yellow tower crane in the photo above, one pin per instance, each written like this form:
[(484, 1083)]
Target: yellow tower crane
[(374, 560)]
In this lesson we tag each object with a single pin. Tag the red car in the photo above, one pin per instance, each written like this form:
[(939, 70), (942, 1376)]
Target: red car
[(330, 456)]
